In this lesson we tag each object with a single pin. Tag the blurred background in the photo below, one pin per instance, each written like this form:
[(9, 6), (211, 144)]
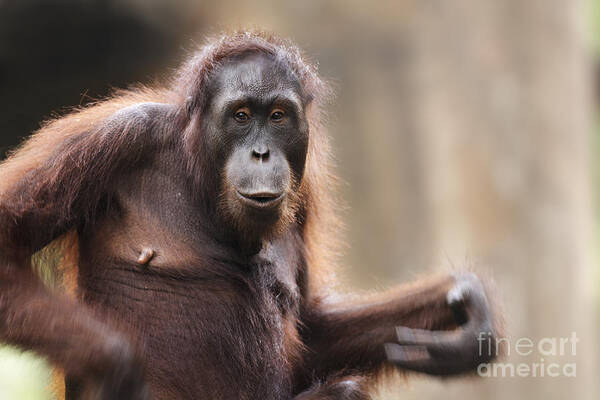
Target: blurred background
[(466, 134)]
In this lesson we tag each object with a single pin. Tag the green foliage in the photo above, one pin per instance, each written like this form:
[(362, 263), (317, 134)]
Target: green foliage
[(23, 376)]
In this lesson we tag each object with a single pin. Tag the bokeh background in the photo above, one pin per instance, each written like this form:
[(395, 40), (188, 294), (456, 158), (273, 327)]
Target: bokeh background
[(465, 132)]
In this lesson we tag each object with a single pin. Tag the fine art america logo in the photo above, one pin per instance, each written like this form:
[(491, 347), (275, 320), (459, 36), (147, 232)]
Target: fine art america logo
[(526, 347)]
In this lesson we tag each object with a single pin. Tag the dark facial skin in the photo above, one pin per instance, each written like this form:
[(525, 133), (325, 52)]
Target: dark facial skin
[(257, 128)]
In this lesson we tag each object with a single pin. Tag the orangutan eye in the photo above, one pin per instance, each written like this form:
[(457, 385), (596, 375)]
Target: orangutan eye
[(242, 114), (277, 115)]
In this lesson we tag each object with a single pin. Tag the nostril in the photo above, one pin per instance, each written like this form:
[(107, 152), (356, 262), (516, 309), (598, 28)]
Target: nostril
[(260, 155)]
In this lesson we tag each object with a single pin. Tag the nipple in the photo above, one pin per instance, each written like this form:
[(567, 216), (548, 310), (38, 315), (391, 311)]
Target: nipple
[(145, 256)]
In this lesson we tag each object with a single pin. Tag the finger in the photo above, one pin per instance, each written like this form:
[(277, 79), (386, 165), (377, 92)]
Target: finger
[(422, 337), (403, 355), (462, 343), (416, 358), (469, 293)]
